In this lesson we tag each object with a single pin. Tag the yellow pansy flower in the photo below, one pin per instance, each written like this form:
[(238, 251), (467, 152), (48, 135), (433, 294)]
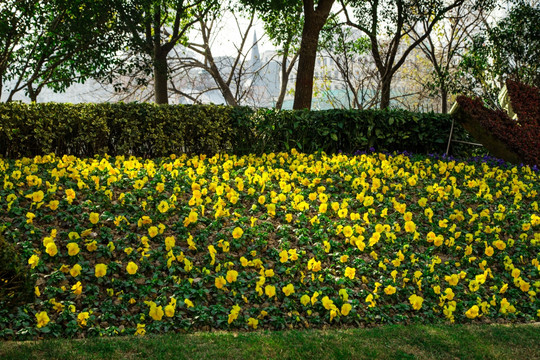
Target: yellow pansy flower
[(132, 268), (42, 319), (100, 270)]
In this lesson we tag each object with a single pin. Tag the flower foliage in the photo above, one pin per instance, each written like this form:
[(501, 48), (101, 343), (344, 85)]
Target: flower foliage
[(287, 240)]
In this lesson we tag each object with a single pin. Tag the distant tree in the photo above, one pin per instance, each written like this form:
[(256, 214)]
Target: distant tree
[(230, 75), (196, 74), (285, 31), (446, 44), (357, 74), (155, 28), (316, 14), (55, 43), (394, 20), (510, 49)]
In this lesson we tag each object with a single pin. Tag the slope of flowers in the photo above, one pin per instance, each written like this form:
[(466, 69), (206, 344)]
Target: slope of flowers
[(122, 245)]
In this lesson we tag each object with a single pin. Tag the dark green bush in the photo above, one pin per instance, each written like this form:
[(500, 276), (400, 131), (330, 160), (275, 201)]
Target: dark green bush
[(16, 285), (149, 130), (352, 130)]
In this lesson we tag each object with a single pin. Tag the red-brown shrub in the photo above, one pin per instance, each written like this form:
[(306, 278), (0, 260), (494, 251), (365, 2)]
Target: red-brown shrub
[(521, 136)]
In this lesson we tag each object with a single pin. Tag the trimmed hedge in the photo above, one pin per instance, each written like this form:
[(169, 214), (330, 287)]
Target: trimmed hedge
[(149, 130)]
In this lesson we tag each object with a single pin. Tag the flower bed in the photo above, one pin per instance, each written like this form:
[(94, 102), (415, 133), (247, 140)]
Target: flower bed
[(120, 245)]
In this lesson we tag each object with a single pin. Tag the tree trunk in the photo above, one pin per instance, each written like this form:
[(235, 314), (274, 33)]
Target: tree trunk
[(385, 91), (444, 100), (284, 81), (306, 68), (160, 77), (313, 23), (31, 93)]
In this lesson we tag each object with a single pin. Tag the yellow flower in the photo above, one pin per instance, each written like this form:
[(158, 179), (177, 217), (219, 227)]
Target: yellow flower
[(51, 249), (163, 206), (293, 255), (77, 288), (269, 272), (416, 301), (169, 310), (489, 251), (132, 268), (452, 280), (53, 204), (153, 231), (304, 299), (91, 246), (410, 227), (346, 309), (140, 330), (70, 194), (73, 249), (270, 290), (156, 312), (347, 231), (220, 282), (314, 298), (33, 261), (75, 270), (253, 322), (42, 319), (499, 244), (314, 265), (472, 312), (389, 290), (350, 273), (288, 290), (82, 318), (188, 303), (283, 256), (327, 303), (233, 315), (100, 270), (94, 218), (169, 243), (193, 216), (237, 233), (344, 258), (36, 196), (231, 276)]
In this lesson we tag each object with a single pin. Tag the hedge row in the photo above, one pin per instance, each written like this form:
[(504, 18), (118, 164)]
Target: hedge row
[(150, 131)]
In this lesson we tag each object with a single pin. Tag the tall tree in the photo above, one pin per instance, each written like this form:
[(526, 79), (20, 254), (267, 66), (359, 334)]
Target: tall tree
[(231, 75), (445, 46), (349, 54), (316, 14), (54, 43), (156, 27), (393, 20), (285, 31), (510, 49)]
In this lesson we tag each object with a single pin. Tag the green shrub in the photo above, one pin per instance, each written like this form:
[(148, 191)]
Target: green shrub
[(352, 130), (16, 285), (150, 130)]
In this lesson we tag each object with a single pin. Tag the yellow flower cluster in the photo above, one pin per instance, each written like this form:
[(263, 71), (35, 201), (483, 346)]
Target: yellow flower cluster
[(291, 239)]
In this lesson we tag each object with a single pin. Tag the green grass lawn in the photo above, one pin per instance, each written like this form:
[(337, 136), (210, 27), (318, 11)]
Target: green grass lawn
[(388, 342)]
